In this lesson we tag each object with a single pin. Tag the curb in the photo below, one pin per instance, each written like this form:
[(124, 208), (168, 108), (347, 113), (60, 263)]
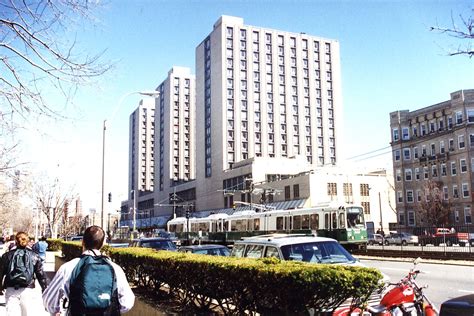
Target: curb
[(428, 261)]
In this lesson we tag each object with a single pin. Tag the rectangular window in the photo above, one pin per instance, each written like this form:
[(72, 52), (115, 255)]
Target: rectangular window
[(443, 170), (397, 155), (332, 189), (463, 164), (406, 154), (296, 191), (461, 142), (465, 190), (417, 174), (415, 153), (408, 175), (405, 135), (401, 218), (287, 192), (396, 135), (467, 215), (451, 144), (418, 195), (399, 197), (434, 170), (398, 175), (453, 168), (411, 218), (455, 192), (458, 118), (364, 189), (470, 115), (445, 193), (347, 189), (409, 196)]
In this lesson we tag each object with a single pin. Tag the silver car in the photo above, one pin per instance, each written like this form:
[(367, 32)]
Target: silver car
[(401, 239)]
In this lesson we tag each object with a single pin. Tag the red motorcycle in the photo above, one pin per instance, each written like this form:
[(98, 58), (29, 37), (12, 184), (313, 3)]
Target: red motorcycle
[(404, 298)]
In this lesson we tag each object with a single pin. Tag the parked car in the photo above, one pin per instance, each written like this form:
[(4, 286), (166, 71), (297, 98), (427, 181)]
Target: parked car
[(156, 243), (401, 239), (75, 238), (294, 247), (373, 239), (213, 250), (119, 245)]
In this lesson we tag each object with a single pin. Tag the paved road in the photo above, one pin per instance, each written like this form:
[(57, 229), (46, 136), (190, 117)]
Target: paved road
[(37, 302), (444, 280)]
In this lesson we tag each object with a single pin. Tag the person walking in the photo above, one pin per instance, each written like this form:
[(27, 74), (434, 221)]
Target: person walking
[(78, 280), (18, 269), (40, 248)]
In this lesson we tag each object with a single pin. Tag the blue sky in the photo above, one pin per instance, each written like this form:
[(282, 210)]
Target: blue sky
[(389, 61)]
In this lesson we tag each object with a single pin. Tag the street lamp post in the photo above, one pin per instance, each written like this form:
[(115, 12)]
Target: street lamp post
[(154, 94), (380, 210)]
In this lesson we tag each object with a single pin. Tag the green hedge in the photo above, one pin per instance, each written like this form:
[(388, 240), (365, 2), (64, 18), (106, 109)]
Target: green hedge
[(54, 244), (236, 285)]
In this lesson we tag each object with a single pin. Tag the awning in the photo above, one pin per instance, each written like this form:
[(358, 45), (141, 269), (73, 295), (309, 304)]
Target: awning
[(287, 205), (280, 205)]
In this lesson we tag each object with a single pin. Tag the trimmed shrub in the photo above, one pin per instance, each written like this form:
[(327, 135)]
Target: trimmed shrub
[(238, 285), (54, 244)]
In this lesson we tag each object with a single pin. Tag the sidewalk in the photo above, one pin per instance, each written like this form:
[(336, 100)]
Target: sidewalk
[(140, 308), (38, 303)]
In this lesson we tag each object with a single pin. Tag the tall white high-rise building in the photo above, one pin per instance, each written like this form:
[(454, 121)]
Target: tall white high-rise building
[(175, 136), (141, 147), (263, 93)]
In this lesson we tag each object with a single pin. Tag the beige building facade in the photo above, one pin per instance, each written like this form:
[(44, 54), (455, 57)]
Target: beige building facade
[(434, 144)]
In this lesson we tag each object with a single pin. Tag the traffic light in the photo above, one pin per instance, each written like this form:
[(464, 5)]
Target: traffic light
[(187, 213), (110, 197)]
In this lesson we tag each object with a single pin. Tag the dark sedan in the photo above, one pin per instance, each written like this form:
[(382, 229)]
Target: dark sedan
[(156, 243)]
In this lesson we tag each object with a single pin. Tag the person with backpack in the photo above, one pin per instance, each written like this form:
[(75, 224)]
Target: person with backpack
[(40, 248), (91, 284), (18, 269)]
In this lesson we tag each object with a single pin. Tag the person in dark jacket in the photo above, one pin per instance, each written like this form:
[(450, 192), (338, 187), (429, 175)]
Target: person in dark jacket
[(18, 297)]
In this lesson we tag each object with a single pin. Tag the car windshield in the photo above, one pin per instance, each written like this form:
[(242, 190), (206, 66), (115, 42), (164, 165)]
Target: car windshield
[(159, 244), (317, 252), (213, 251)]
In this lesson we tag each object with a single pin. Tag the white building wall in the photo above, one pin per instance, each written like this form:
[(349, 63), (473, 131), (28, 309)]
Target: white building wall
[(175, 123), (278, 96), (141, 146)]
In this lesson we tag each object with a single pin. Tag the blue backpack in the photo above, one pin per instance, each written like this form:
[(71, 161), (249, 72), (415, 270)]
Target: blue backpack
[(93, 287)]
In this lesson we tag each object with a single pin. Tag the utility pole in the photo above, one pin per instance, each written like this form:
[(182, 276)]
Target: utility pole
[(103, 176), (380, 209), (174, 202)]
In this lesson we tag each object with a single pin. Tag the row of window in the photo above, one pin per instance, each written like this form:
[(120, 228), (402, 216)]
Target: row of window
[(419, 195), (417, 154), (411, 221), (280, 39), (435, 125), (435, 171)]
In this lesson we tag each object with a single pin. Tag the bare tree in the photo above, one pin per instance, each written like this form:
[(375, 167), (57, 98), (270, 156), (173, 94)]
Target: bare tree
[(433, 209), (52, 201), (463, 32), (38, 51)]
